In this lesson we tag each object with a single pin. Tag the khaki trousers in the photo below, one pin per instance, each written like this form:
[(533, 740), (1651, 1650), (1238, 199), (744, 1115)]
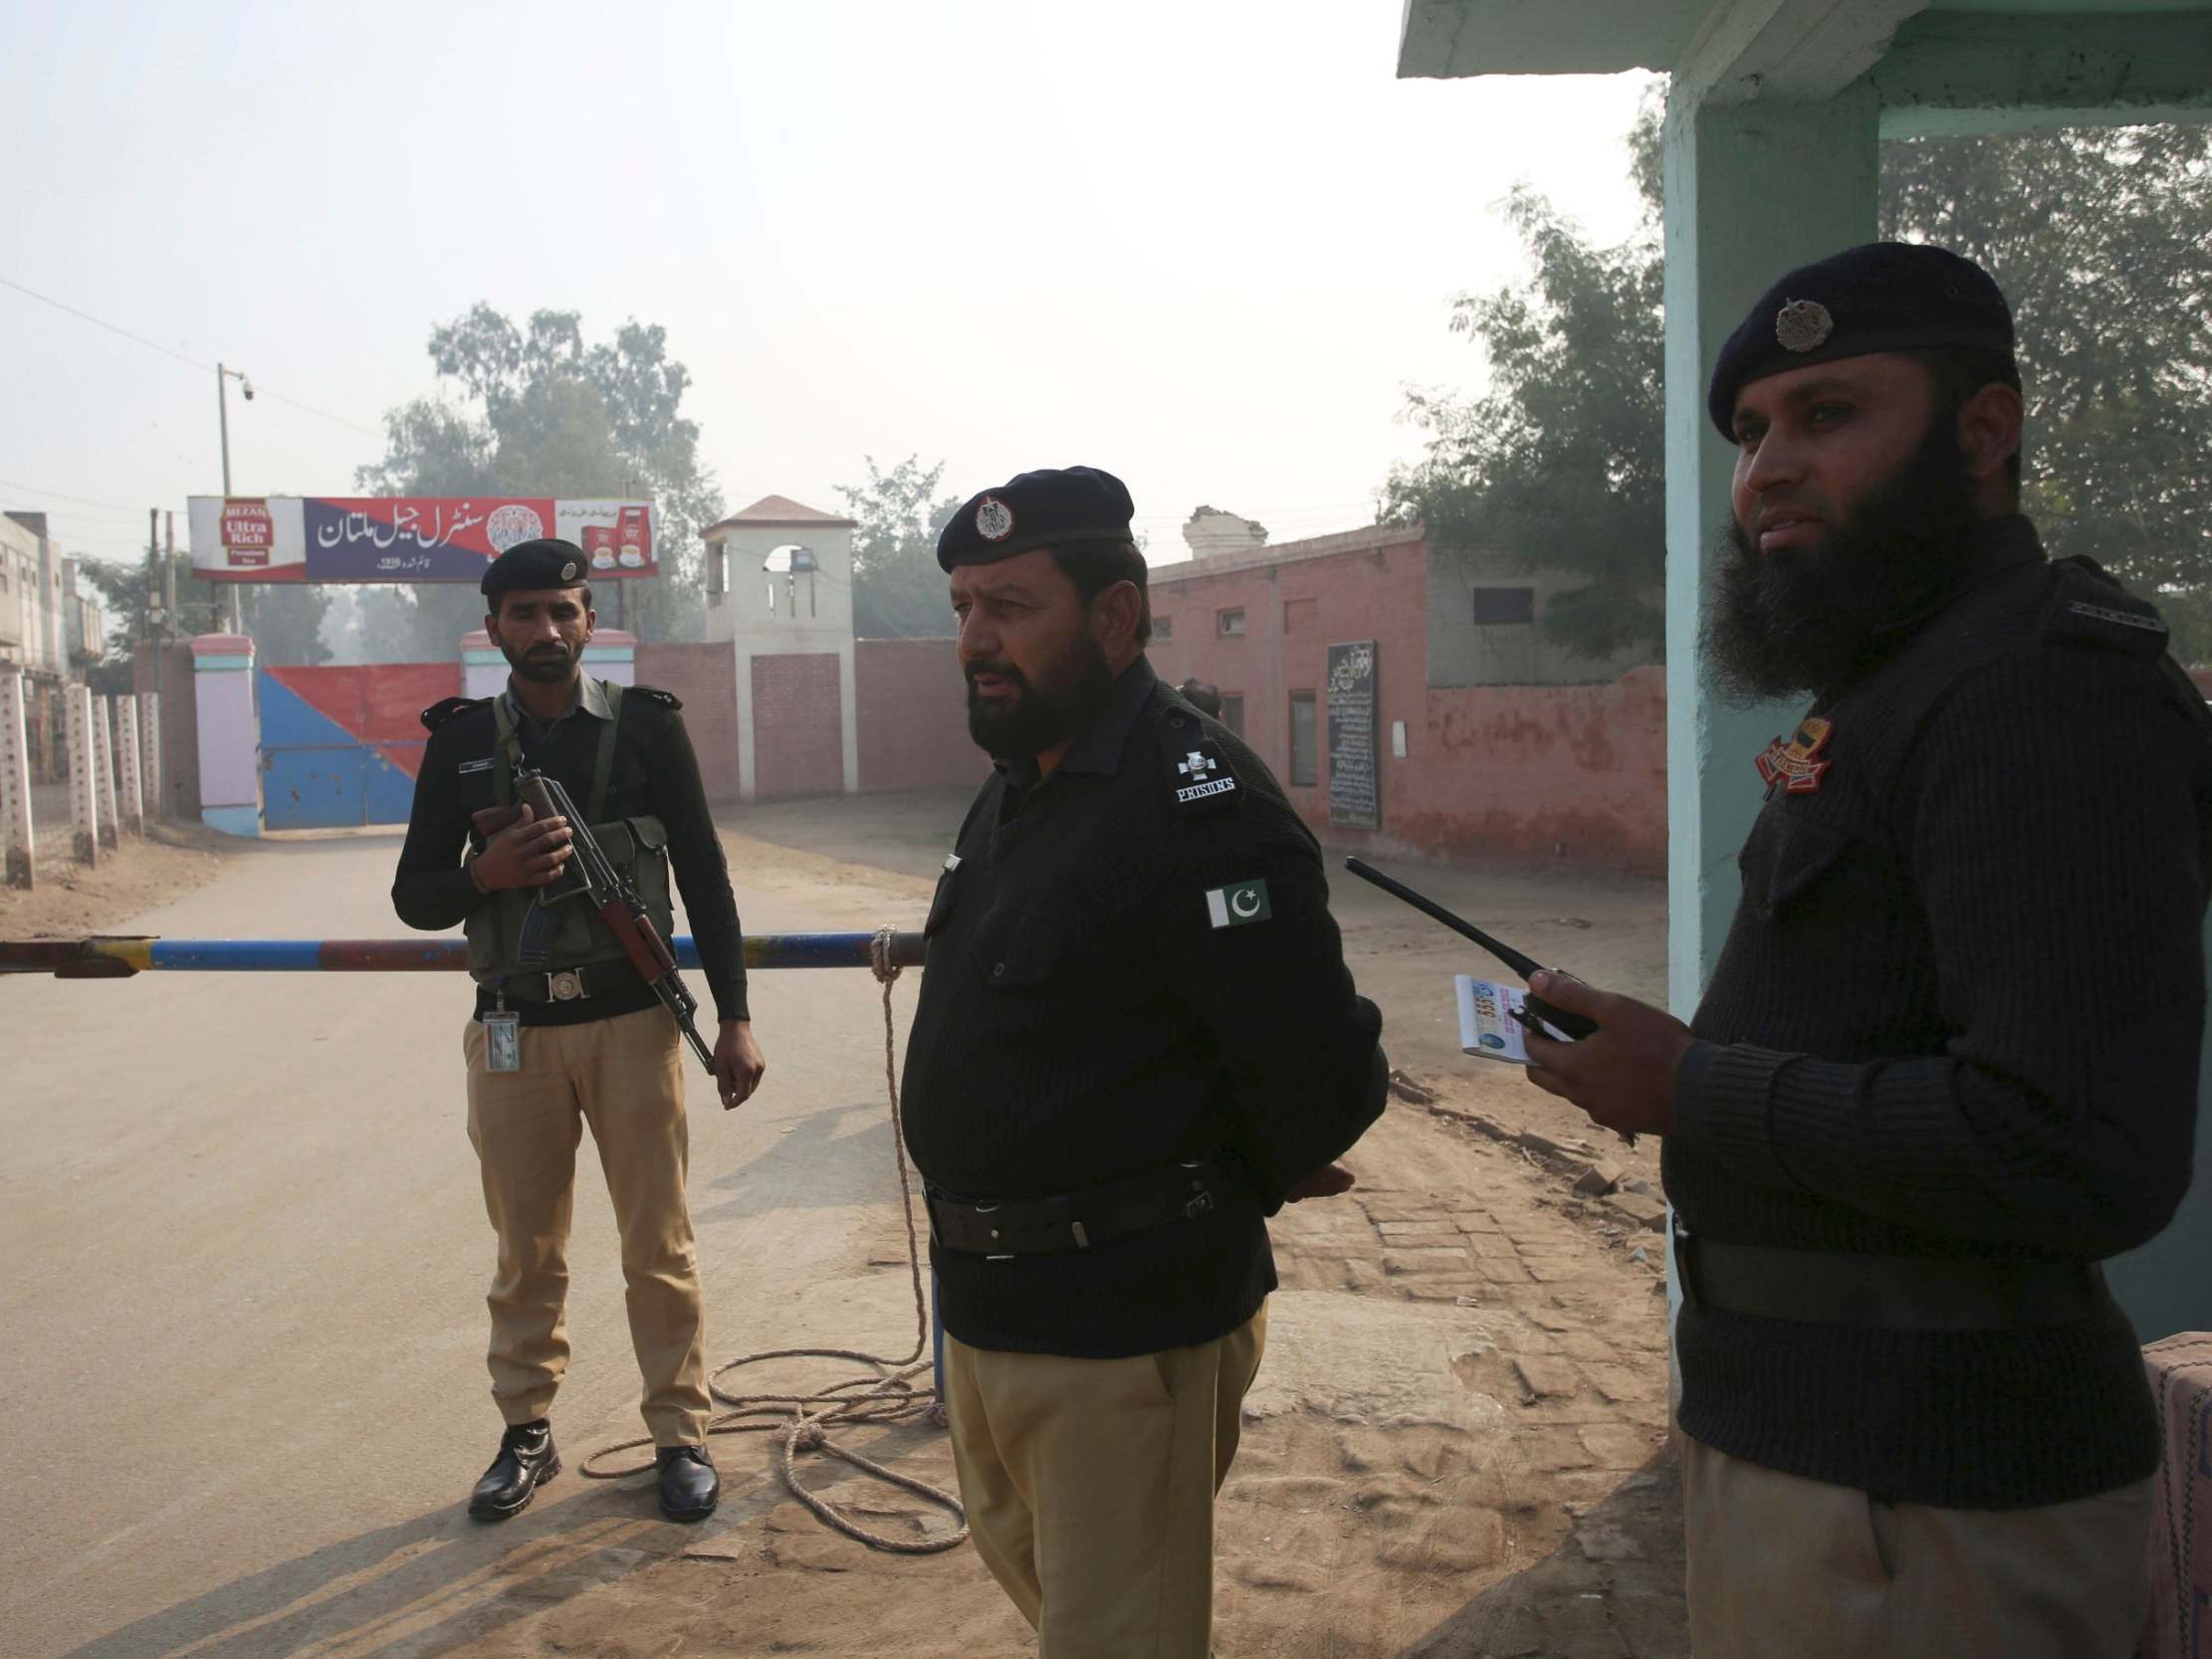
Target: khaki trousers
[(1782, 1567), (1089, 1486), (624, 1076)]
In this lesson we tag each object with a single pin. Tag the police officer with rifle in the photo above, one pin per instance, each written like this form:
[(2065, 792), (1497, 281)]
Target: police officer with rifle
[(580, 1017)]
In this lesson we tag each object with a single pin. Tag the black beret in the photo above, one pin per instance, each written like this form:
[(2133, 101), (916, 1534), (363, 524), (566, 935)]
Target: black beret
[(545, 562), (1056, 507), (1883, 297)]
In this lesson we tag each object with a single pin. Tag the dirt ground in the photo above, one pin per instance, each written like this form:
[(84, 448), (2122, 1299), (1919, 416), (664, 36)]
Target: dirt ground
[(1455, 1449), (135, 876), (1457, 1446)]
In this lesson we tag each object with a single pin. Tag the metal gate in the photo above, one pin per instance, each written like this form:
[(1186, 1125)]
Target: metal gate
[(341, 746)]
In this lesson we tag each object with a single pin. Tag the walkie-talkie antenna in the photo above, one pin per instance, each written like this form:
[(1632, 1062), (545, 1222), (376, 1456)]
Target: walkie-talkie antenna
[(1575, 1026)]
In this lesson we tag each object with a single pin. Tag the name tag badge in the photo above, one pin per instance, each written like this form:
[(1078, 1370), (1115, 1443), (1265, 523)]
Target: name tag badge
[(503, 1043), (468, 767)]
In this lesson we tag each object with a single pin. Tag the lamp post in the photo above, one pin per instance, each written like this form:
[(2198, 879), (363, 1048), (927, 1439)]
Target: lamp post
[(222, 416)]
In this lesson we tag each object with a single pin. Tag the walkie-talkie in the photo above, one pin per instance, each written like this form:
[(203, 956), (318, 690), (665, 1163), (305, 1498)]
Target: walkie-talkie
[(1565, 1026)]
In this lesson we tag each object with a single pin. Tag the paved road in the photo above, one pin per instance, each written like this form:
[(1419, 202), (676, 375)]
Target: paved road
[(245, 1259)]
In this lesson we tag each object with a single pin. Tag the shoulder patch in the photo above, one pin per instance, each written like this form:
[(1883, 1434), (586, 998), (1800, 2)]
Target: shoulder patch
[(1199, 774), (444, 710), (667, 700), (2087, 607)]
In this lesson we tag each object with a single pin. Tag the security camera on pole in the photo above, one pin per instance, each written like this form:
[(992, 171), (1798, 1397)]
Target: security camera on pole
[(222, 415)]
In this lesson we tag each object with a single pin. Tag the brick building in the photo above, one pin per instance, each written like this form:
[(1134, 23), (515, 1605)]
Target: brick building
[(1489, 740)]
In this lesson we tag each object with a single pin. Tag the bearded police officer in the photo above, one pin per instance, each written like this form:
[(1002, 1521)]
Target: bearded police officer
[(571, 1035), (1949, 1057), (1136, 1038)]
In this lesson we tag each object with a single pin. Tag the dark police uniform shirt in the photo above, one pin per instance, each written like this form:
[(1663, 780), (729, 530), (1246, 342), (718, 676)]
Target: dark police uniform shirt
[(655, 776), (1958, 1014), (1083, 1018)]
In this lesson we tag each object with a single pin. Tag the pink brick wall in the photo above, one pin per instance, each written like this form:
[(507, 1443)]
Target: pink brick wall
[(1522, 772), (913, 720), (701, 676), (799, 745)]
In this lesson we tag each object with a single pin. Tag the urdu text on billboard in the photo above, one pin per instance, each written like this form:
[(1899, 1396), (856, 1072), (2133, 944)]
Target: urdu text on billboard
[(410, 539)]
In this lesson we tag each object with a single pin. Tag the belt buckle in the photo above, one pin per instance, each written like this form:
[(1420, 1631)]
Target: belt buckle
[(565, 987)]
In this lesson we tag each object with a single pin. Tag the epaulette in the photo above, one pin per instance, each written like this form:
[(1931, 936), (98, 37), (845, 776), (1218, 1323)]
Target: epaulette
[(2088, 607), (446, 708), (667, 700)]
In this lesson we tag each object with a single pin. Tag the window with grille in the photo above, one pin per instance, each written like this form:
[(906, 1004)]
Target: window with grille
[(1500, 606)]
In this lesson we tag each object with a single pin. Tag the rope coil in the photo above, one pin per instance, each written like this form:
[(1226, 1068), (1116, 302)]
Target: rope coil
[(886, 1395)]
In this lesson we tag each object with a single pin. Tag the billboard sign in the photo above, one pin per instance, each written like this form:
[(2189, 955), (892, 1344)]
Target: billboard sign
[(410, 539)]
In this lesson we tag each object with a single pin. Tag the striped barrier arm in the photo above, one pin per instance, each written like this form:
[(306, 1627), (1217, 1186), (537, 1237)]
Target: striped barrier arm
[(119, 956)]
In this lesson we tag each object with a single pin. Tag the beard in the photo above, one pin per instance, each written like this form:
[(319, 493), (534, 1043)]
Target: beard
[(1066, 694), (547, 665), (1809, 619)]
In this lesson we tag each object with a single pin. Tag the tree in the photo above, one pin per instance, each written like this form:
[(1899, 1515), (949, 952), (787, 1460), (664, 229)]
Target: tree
[(284, 619), (898, 592), (2102, 238), (1561, 465), (547, 415)]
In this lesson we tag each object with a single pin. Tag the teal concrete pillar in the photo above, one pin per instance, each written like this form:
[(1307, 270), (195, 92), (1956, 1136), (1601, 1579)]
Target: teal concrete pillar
[(1752, 189), (2167, 1286)]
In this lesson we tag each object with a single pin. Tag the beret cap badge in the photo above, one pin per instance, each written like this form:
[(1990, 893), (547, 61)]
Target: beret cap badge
[(568, 571), (1803, 325), (994, 519)]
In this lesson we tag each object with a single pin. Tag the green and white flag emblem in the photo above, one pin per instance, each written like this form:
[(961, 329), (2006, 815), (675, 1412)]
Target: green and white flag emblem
[(1235, 905)]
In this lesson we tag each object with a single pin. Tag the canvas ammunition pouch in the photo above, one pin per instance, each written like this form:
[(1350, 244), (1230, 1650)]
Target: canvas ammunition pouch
[(528, 932)]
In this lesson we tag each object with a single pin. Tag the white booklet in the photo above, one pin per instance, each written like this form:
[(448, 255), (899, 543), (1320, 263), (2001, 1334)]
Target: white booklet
[(1488, 1028)]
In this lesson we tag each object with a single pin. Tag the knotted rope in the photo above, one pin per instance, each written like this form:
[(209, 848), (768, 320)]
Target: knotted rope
[(888, 1395)]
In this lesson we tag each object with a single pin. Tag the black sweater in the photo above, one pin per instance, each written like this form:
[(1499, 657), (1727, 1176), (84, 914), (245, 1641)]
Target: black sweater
[(1083, 1018), (1958, 1014)]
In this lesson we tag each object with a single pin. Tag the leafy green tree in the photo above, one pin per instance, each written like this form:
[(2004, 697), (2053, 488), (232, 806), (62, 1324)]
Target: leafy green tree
[(284, 618), (898, 592), (2102, 238), (546, 414)]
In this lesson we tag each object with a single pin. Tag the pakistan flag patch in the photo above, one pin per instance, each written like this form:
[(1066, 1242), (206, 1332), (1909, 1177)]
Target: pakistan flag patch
[(1237, 904)]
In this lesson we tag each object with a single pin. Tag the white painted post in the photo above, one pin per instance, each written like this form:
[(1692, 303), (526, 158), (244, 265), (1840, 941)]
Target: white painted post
[(103, 771), (129, 780), (149, 753), (84, 811), (15, 783)]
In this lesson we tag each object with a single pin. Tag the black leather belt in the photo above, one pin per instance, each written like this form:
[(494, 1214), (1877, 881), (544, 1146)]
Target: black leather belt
[(569, 984), (1897, 1293), (1077, 1220)]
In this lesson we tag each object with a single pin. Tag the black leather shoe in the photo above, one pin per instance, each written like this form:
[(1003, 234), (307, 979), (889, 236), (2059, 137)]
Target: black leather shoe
[(689, 1483), (526, 1458)]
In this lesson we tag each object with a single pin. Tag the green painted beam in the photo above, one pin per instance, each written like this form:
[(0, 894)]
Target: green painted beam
[(1951, 73), (1445, 38)]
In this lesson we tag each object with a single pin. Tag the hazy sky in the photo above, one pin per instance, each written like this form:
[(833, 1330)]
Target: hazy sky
[(1205, 244)]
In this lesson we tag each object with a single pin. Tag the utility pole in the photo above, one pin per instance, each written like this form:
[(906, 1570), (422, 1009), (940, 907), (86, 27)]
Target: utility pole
[(169, 574), (234, 598), (153, 576)]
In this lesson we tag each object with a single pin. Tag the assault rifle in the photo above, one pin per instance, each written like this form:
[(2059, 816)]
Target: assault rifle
[(592, 875)]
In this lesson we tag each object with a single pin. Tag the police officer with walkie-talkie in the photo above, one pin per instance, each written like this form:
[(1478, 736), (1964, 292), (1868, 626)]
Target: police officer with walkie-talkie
[(567, 1030), (1947, 1060)]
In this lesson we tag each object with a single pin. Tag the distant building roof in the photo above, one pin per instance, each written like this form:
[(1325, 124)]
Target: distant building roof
[(774, 510), (1366, 539)]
